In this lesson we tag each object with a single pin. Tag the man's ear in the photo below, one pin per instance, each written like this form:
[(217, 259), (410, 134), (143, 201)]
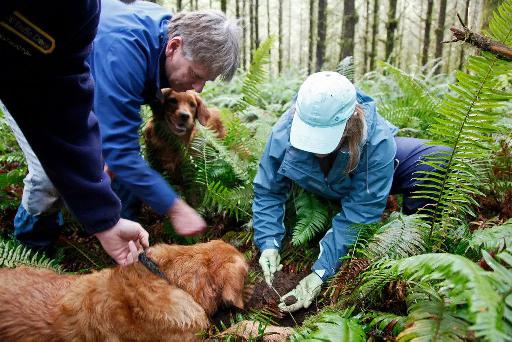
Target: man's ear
[(172, 45), (203, 114)]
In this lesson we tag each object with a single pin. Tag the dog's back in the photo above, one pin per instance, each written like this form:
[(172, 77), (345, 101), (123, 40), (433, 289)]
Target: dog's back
[(27, 301)]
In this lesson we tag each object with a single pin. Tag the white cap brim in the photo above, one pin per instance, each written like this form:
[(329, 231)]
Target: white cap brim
[(320, 140)]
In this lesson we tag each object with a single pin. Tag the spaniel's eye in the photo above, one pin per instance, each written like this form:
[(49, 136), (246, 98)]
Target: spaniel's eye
[(193, 104), (173, 100)]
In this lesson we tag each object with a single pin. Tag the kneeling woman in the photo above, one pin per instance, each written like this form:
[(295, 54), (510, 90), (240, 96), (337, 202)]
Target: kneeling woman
[(331, 142)]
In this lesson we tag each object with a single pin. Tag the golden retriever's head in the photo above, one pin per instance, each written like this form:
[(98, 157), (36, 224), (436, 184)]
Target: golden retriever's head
[(180, 110), (213, 273)]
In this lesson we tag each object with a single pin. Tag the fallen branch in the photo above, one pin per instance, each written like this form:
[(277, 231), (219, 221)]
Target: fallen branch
[(482, 42)]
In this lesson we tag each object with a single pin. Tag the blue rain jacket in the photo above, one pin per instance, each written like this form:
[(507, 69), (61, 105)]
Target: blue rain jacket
[(362, 193), (126, 65)]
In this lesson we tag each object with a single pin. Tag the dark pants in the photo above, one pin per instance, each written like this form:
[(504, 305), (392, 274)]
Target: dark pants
[(409, 153)]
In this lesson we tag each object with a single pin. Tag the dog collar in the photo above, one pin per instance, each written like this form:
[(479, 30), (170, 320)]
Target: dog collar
[(152, 266)]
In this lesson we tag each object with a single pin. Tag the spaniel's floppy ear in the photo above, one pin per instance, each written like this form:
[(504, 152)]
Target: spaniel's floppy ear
[(233, 291), (203, 114), (158, 104)]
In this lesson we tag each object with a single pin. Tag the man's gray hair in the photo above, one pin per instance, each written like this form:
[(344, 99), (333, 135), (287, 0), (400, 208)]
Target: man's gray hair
[(210, 39)]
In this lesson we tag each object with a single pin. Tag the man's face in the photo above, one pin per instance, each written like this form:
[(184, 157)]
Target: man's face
[(182, 73)]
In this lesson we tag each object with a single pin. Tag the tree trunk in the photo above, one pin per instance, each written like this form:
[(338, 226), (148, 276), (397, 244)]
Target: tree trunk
[(488, 7), (426, 36), (349, 25), (179, 5), (251, 26), (289, 33), (375, 34), (322, 30), (280, 42), (256, 22), (440, 33), (391, 26), (311, 35), (366, 37), (268, 35), (301, 35), (466, 16), (223, 4), (244, 35), (237, 9)]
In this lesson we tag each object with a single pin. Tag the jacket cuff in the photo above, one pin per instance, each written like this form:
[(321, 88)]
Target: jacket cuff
[(270, 244)]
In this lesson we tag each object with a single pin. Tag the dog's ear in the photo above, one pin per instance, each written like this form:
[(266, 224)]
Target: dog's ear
[(203, 114), (157, 105), (233, 291)]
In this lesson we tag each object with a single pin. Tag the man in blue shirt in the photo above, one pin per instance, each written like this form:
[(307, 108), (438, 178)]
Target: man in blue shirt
[(139, 49)]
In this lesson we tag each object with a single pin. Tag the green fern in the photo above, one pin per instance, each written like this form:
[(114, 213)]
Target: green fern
[(401, 237), (312, 218), (416, 103), (461, 277), (14, 254), (251, 95), (235, 202), (433, 317), (497, 237), (347, 68), (384, 322), (331, 326), (466, 123)]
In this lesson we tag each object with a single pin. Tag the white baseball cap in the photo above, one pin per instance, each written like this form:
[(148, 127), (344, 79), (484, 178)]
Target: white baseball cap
[(325, 102)]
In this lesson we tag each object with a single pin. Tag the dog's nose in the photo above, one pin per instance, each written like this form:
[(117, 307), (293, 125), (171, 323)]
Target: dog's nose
[(184, 116)]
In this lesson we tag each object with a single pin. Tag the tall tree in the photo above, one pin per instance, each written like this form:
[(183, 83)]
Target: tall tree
[(440, 33), (268, 35), (223, 5), (366, 37), (466, 18), (256, 21), (375, 33), (348, 31), (237, 9), (391, 26), (426, 36), (179, 5), (322, 33), (244, 35), (280, 39), (251, 26), (311, 39), (289, 32)]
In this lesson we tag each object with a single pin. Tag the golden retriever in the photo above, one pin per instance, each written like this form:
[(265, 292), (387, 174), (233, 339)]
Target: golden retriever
[(173, 122), (124, 303)]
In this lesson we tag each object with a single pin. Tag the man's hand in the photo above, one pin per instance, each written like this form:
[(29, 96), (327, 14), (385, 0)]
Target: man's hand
[(304, 293), (270, 263), (124, 241), (186, 221)]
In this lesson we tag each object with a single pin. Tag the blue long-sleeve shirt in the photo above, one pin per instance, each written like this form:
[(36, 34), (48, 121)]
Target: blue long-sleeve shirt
[(362, 193), (126, 64), (47, 87)]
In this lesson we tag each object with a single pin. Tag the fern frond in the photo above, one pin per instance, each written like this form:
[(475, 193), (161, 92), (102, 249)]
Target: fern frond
[(331, 326), (403, 236), (13, 255), (312, 218), (497, 237), (251, 96), (460, 276), (236, 202), (502, 279), (347, 68), (384, 322), (467, 121), (433, 318)]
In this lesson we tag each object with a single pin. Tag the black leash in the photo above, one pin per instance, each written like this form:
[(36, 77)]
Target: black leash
[(152, 266)]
